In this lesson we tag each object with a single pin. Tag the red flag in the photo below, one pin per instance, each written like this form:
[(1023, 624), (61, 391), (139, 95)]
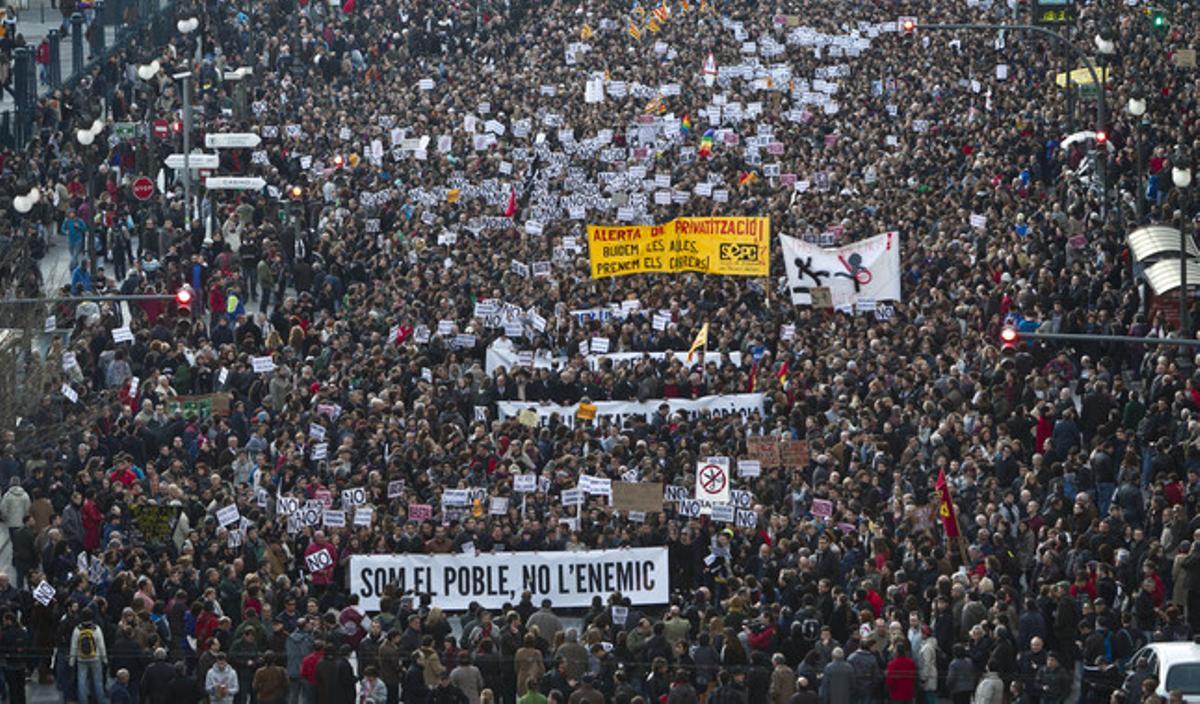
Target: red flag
[(946, 506), (511, 209), (782, 375), (348, 6), (753, 376)]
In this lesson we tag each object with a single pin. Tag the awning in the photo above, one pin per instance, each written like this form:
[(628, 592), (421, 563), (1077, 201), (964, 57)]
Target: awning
[(1152, 240), (1164, 276)]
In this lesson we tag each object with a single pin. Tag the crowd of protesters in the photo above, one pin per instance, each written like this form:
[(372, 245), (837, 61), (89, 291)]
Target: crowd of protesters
[(1073, 468)]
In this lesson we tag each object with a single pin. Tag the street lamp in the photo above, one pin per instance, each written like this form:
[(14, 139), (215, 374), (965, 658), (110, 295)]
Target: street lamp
[(186, 27), (87, 137), (1181, 176), (1106, 44), (1136, 107)]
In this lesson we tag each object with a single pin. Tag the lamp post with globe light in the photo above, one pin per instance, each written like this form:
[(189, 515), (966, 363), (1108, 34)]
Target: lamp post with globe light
[(86, 138), (1136, 107), (1181, 176)]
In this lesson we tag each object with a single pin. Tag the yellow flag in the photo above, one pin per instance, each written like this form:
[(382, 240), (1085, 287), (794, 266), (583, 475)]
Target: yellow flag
[(452, 195), (699, 343), (585, 33)]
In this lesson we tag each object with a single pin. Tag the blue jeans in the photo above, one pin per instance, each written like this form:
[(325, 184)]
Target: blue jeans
[(90, 669), (1104, 494), (63, 677)]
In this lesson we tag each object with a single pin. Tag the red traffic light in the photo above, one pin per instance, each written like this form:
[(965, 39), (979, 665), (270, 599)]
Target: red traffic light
[(177, 126), (183, 297), (1009, 337), (338, 161), (908, 25), (1101, 138)]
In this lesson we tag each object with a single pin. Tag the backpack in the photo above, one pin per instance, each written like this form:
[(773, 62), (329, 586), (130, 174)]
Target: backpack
[(87, 643)]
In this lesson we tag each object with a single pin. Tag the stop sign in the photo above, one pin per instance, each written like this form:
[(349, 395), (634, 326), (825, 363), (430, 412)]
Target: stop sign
[(143, 188), (160, 128)]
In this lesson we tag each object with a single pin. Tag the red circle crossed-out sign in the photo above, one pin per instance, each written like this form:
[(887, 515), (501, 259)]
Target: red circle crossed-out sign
[(712, 479), (161, 128), (143, 188)]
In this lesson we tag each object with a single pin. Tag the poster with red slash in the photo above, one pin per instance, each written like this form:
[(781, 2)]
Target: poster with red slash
[(712, 480)]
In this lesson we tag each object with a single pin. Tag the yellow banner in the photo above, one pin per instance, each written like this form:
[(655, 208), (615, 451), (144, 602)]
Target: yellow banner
[(733, 246)]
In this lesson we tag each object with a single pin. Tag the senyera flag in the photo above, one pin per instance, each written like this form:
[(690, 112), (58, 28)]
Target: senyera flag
[(946, 506)]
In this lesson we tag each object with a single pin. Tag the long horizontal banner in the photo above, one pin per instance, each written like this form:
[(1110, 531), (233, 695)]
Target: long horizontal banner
[(569, 579), (510, 358), (734, 246), (724, 405)]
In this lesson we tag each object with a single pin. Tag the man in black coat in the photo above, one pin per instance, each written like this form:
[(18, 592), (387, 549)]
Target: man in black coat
[(156, 678)]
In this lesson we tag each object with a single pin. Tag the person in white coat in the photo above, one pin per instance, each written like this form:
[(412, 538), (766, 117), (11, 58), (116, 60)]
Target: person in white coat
[(221, 683), (990, 689), (14, 506), (927, 670)]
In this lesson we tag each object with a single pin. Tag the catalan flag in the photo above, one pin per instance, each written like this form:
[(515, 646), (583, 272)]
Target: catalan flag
[(639, 10), (662, 13), (700, 342), (706, 143), (655, 106), (652, 25), (685, 126), (634, 31), (586, 33)]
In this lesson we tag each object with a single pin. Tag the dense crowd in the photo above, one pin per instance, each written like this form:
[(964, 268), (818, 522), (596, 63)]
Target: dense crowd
[(336, 340)]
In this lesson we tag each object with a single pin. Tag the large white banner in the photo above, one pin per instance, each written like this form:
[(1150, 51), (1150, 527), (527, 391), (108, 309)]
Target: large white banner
[(569, 579), (502, 353), (867, 270), (724, 405)]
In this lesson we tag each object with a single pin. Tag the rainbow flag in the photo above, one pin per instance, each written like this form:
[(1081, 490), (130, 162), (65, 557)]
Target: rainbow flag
[(685, 126), (706, 143)]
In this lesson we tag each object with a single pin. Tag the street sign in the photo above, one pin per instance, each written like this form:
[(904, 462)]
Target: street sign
[(234, 183), (232, 140), (195, 161), (143, 188), (125, 130), (161, 129)]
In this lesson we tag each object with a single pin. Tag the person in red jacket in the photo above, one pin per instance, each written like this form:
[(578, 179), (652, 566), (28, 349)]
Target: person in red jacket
[(901, 677), (93, 519), (323, 576), (308, 671)]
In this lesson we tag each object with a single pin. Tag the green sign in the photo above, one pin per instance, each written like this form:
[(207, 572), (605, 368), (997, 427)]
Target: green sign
[(155, 524), (125, 130), (204, 406)]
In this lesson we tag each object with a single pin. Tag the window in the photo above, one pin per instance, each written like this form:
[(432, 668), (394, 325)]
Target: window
[(1184, 677)]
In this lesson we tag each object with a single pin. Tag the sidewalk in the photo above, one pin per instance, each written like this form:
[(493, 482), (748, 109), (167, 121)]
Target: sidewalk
[(35, 24)]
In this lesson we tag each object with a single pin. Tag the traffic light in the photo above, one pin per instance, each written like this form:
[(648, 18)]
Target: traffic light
[(1008, 338), (1101, 139), (296, 192), (338, 161), (183, 298), (1158, 20), (908, 25)]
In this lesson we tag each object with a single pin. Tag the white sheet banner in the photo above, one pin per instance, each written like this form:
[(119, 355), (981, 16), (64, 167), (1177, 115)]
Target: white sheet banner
[(569, 579), (865, 270), (724, 405), (505, 355)]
